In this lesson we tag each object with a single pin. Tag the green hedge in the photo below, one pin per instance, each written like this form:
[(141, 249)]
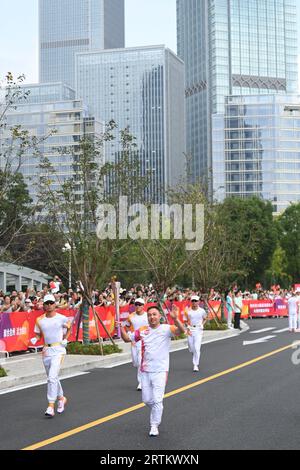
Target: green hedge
[(181, 336), (209, 326), (212, 326), (92, 349), (2, 372)]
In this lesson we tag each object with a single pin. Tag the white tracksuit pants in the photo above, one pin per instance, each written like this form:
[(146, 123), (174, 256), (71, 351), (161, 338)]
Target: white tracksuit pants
[(52, 365), (136, 354), (153, 390), (195, 341), (293, 322), (229, 318)]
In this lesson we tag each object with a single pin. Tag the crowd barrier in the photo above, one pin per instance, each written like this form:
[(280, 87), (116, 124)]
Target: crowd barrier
[(16, 329)]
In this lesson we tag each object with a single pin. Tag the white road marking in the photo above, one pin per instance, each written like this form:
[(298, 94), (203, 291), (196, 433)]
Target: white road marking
[(281, 331), (41, 382), (258, 341), (262, 331)]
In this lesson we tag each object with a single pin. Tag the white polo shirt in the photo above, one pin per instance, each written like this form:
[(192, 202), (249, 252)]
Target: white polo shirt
[(293, 305), (135, 321), (195, 318), (156, 344), (52, 329)]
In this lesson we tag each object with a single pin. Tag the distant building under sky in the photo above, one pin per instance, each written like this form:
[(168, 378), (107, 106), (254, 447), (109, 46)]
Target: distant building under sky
[(256, 149), (141, 88), (232, 47), (49, 107), (70, 26)]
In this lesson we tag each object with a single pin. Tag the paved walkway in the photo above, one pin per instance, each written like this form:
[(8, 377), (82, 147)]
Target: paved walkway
[(27, 369)]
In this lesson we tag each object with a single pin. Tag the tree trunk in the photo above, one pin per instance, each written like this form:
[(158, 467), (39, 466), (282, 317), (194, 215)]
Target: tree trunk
[(86, 321), (223, 309), (106, 330)]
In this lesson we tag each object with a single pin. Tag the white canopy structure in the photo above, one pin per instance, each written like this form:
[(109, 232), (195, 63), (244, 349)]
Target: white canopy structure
[(13, 277)]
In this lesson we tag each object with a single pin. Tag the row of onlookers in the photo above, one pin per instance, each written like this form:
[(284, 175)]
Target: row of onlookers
[(72, 299)]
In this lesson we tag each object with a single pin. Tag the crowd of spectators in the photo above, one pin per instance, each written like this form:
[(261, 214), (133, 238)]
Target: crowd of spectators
[(72, 299)]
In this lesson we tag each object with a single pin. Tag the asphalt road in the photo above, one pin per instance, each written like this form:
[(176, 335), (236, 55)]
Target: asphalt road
[(255, 406)]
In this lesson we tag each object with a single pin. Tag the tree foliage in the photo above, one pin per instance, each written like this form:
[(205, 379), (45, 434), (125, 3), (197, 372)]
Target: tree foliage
[(16, 208), (252, 236), (73, 204), (289, 234)]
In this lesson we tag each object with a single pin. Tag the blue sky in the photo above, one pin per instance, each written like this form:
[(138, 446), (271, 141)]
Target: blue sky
[(148, 22)]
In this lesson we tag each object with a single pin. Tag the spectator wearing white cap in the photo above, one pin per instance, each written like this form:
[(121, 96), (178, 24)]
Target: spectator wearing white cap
[(55, 329), (195, 319), (136, 321)]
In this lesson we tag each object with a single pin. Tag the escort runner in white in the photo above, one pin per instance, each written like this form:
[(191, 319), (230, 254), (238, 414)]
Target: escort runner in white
[(55, 329), (155, 343), (293, 311), (195, 319), (135, 321)]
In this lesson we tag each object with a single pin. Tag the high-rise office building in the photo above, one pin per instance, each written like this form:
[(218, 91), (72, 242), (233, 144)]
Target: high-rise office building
[(261, 151), (232, 47), (70, 26), (48, 108), (141, 88)]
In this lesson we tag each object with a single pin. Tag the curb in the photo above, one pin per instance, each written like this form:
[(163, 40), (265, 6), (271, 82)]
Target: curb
[(114, 360)]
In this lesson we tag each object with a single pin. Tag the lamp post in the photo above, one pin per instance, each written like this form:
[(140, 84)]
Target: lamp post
[(68, 248)]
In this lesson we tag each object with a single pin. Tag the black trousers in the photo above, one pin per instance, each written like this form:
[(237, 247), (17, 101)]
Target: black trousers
[(237, 320)]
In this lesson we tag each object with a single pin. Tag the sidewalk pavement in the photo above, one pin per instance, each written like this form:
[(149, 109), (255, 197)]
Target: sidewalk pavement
[(27, 369)]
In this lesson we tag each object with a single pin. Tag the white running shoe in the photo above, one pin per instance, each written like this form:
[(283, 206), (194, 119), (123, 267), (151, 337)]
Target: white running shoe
[(49, 412), (154, 431), (61, 405), (196, 369), (139, 387)]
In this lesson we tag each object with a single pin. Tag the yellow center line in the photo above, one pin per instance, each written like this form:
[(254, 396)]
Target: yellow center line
[(98, 422)]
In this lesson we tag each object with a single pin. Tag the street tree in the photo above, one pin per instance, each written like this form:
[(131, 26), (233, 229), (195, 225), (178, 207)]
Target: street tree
[(16, 206), (289, 234), (252, 236), (73, 207)]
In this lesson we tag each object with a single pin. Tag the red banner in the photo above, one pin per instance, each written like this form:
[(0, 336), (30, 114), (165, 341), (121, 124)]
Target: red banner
[(281, 307), (107, 316), (261, 308), (214, 309), (16, 329)]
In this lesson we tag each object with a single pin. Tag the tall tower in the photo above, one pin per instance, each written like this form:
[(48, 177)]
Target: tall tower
[(70, 26), (141, 88), (232, 47)]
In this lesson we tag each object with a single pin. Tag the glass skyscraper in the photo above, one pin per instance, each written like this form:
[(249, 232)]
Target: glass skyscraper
[(262, 148), (70, 26), (232, 47), (141, 88), (48, 108)]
